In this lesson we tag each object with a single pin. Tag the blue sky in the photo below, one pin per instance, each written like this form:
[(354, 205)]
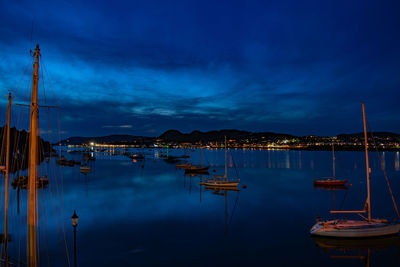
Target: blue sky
[(143, 67)]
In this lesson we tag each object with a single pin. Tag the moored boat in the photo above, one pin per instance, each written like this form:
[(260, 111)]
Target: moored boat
[(357, 228), (329, 181), (221, 180)]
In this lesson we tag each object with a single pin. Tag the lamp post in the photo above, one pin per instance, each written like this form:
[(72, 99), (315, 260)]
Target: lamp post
[(74, 224)]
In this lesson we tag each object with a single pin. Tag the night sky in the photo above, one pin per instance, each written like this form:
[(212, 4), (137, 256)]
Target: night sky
[(143, 67)]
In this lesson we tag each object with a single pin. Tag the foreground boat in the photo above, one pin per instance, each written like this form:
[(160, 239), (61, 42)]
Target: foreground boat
[(357, 228)]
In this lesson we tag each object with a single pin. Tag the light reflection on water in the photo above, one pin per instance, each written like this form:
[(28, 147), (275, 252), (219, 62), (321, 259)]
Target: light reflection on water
[(147, 212)]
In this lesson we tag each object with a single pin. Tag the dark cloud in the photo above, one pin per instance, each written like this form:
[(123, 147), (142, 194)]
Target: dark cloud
[(299, 67)]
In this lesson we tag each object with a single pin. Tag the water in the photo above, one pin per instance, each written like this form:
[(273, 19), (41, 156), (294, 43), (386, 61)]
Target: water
[(148, 213)]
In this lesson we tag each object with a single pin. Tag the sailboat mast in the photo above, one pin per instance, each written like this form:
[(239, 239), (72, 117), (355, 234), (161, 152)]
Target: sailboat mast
[(333, 154), (6, 178), (200, 154), (33, 161), (226, 165), (367, 164)]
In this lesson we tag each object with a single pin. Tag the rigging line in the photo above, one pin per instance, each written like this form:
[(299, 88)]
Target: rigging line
[(234, 207), (384, 171), (22, 76), (45, 229), (234, 164), (37, 224), (52, 197), (44, 89), (63, 206), (344, 198), (28, 85), (55, 211), (50, 84), (63, 215), (341, 166)]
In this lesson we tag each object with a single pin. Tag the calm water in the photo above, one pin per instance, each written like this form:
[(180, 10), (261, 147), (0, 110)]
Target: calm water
[(148, 213)]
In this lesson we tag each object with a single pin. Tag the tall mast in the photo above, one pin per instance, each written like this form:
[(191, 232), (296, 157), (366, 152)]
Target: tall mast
[(333, 157), (6, 179), (368, 204), (200, 154), (33, 161), (226, 166)]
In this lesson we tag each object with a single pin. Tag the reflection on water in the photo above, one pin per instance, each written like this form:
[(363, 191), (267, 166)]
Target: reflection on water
[(147, 212), (362, 249)]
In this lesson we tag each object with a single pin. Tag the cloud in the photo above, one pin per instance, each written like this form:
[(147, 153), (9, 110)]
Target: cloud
[(278, 66), (118, 126)]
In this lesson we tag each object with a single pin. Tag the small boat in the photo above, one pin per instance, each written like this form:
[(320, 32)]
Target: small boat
[(221, 180), (190, 168), (357, 228), (196, 169), (219, 183), (329, 181), (84, 169), (183, 165), (137, 156)]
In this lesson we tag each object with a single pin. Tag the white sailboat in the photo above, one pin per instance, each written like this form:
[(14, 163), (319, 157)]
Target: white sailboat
[(367, 227), (222, 180)]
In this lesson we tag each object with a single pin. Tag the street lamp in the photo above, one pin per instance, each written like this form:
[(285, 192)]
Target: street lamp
[(74, 224)]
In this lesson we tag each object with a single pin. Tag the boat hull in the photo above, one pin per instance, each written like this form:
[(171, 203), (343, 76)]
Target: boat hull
[(196, 169), (221, 183), (354, 229), (329, 182)]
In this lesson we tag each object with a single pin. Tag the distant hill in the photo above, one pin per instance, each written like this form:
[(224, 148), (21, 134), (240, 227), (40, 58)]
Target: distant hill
[(212, 136), (388, 136), (241, 137)]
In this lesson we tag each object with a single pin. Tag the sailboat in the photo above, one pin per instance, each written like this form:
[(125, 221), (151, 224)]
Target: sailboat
[(184, 165), (197, 168), (222, 180), (367, 227), (331, 181)]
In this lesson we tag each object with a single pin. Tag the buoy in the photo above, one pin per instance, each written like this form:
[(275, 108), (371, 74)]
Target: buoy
[(244, 186), (351, 184)]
